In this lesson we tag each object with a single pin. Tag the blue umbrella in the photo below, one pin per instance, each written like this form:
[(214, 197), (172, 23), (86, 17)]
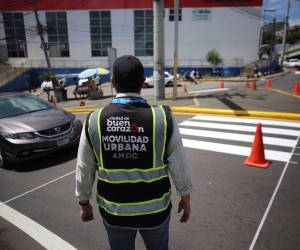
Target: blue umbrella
[(88, 73)]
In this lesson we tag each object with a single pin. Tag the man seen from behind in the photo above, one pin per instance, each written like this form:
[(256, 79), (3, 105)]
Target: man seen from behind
[(133, 148)]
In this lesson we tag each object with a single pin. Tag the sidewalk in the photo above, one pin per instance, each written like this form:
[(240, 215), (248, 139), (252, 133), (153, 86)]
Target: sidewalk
[(208, 94)]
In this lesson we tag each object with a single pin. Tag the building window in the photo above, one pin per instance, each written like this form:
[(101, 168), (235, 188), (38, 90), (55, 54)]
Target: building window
[(57, 28), (100, 25), (172, 15), (15, 34), (143, 32)]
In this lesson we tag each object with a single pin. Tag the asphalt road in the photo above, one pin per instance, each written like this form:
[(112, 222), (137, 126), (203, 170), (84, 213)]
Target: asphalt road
[(229, 199), (234, 95)]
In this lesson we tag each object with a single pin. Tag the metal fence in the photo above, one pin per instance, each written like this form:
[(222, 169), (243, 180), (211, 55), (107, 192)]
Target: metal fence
[(147, 61)]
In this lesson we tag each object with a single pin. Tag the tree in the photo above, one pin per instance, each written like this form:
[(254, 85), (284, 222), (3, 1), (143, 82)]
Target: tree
[(214, 58)]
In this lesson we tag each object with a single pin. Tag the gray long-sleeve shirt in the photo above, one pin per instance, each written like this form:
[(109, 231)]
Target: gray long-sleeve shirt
[(87, 165)]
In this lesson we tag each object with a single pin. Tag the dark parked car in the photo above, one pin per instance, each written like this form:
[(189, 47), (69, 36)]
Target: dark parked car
[(31, 127)]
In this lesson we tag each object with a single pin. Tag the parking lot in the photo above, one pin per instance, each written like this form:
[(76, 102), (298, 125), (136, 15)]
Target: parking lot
[(233, 206)]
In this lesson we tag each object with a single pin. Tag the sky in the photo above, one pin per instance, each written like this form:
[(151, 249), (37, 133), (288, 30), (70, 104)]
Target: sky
[(280, 6)]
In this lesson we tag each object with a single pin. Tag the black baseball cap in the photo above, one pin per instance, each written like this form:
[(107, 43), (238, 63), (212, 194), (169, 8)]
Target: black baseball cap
[(128, 72)]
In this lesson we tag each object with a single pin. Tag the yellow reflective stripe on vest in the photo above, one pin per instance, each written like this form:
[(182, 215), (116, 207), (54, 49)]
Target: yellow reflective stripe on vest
[(94, 128), (164, 118), (99, 135), (153, 136), (135, 208), (122, 176), (159, 135), (90, 135)]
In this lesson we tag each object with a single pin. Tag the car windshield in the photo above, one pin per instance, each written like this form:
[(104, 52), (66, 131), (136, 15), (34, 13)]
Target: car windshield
[(21, 104)]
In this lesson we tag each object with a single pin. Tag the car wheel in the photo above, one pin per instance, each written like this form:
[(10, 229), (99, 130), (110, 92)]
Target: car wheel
[(3, 160), (145, 85), (169, 84)]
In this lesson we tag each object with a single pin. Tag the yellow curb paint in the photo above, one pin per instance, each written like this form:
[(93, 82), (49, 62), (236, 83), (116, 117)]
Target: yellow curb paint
[(80, 110), (82, 107), (190, 110), (279, 115), (244, 117)]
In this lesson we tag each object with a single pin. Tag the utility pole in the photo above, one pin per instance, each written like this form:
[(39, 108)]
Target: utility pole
[(40, 30), (273, 42), (159, 53), (286, 24), (175, 58)]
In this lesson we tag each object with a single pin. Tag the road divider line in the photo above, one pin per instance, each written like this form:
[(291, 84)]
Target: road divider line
[(237, 137), (30, 191), (39, 233), (262, 222), (235, 150), (265, 130), (208, 90), (247, 121), (293, 162), (284, 93)]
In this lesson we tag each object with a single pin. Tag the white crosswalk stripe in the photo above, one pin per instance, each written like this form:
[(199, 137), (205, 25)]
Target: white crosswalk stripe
[(224, 134), (246, 120), (266, 130)]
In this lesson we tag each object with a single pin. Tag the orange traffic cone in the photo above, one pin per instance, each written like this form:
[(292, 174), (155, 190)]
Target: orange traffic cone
[(268, 86), (296, 90), (257, 156), (222, 85), (247, 84), (185, 90), (53, 101), (254, 85)]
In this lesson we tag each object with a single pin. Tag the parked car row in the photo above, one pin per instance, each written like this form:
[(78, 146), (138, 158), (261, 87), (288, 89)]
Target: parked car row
[(31, 127)]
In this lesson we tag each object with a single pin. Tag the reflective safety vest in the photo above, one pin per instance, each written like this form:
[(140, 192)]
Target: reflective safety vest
[(129, 143)]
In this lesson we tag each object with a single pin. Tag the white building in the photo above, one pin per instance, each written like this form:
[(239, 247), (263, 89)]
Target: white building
[(79, 32)]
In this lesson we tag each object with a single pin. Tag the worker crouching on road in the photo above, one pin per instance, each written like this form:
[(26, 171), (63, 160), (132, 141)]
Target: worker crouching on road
[(133, 147)]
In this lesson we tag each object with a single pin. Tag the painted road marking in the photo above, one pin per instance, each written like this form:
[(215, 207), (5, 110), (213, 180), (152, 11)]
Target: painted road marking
[(262, 222), (284, 92), (293, 162), (16, 197), (208, 90), (237, 137), (227, 134), (39, 233), (247, 121), (266, 130), (235, 150)]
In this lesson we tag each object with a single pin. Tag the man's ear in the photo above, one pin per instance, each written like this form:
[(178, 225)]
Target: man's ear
[(113, 81), (142, 82)]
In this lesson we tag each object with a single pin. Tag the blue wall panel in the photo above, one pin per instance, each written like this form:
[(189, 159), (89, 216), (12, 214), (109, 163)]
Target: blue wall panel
[(19, 83)]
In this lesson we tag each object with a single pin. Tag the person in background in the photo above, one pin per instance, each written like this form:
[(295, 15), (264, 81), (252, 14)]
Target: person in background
[(29, 83)]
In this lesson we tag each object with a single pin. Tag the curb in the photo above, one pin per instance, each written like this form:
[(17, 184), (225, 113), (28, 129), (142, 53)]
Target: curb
[(190, 110), (245, 79), (253, 113)]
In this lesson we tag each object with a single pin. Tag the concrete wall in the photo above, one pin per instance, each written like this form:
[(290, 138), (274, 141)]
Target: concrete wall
[(235, 35), (232, 34)]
